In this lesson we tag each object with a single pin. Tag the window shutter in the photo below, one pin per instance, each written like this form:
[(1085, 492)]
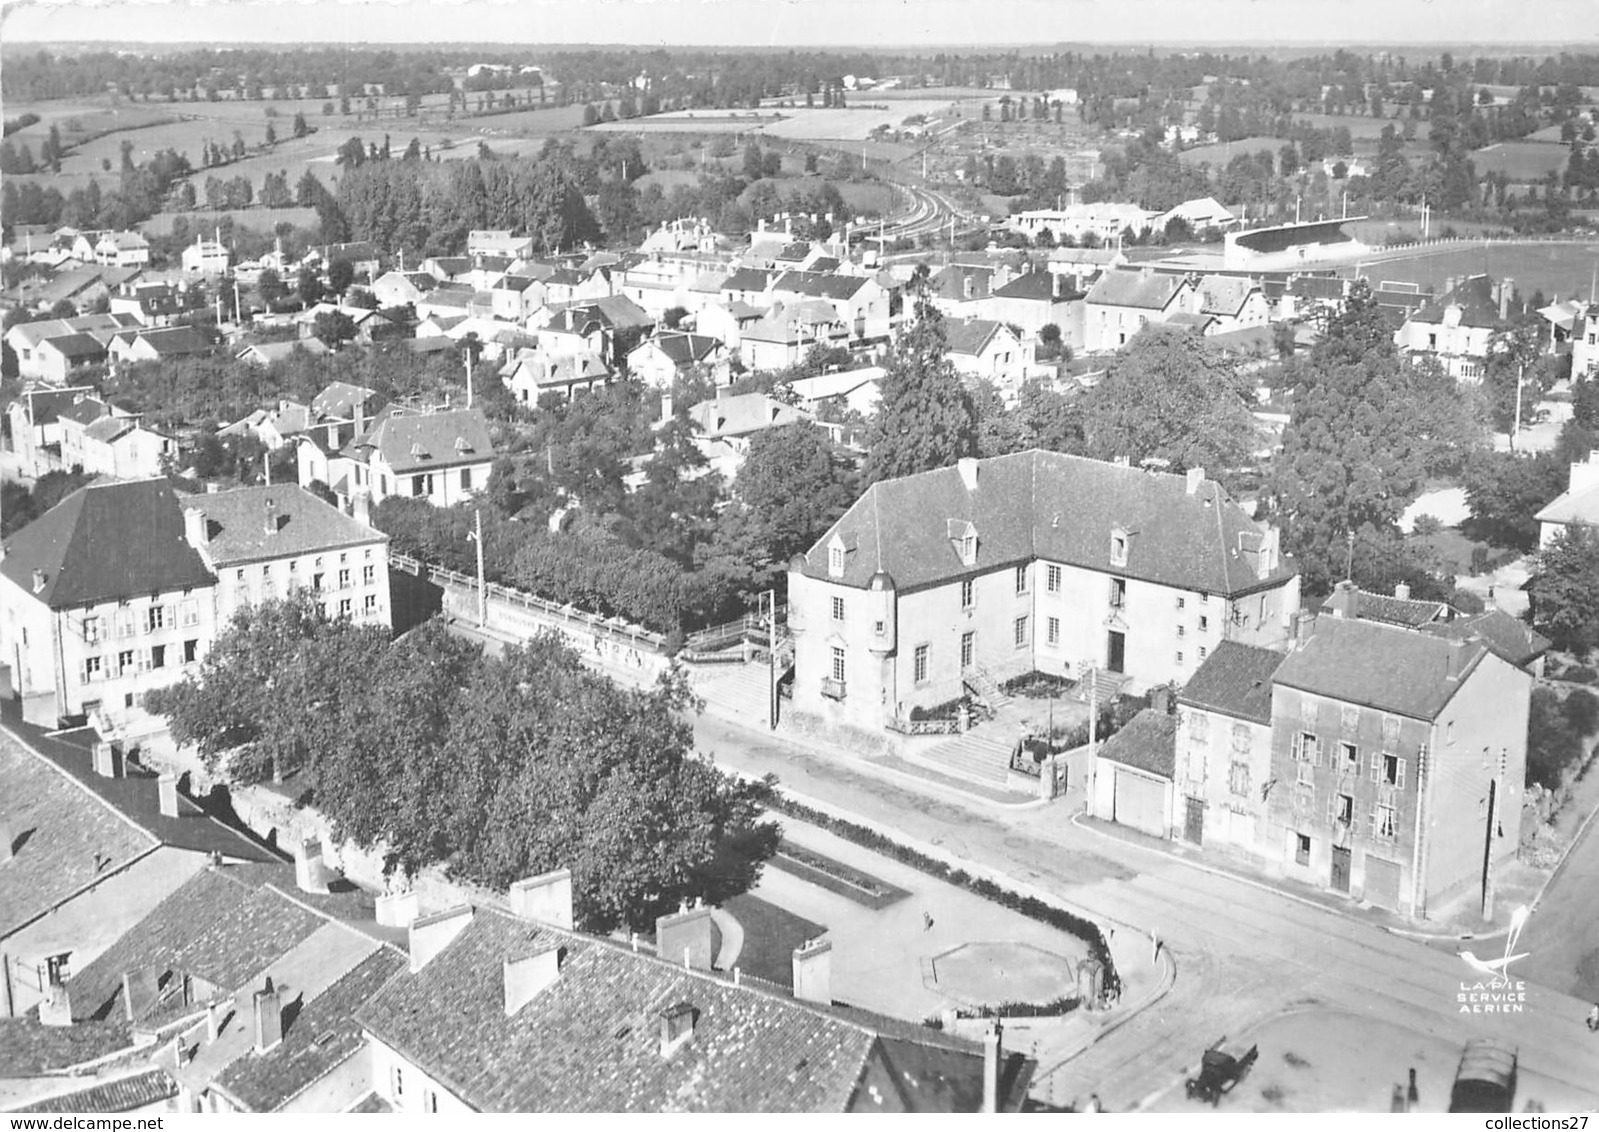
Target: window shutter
[(1399, 780), (1315, 751), (1374, 822), (1376, 766), (1299, 745)]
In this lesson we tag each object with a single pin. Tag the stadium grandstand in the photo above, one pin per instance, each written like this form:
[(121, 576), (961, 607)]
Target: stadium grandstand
[(1288, 246)]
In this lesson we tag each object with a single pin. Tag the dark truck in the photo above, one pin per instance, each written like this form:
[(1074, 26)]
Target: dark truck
[(1486, 1079), (1219, 1072)]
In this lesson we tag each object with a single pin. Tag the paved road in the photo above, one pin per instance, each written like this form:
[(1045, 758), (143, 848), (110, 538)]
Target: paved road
[(1562, 935), (1244, 953)]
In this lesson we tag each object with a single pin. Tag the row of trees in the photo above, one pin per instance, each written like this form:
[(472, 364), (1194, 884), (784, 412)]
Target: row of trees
[(494, 769)]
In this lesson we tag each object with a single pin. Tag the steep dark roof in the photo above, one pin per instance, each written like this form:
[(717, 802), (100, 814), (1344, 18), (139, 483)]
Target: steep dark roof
[(969, 336), (686, 349), (106, 542), (1056, 507), (45, 405), (950, 283), (747, 279), (1380, 666), (1408, 612), (1510, 638), (1475, 298), (1148, 290), (816, 285), (413, 442), (322, 1037), (1148, 743), (75, 346), (1235, 680), (236, 523), (1039, 287), (176, 341)]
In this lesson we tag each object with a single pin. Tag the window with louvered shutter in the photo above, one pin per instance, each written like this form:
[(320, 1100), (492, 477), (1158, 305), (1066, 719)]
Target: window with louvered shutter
[(1351, 719)]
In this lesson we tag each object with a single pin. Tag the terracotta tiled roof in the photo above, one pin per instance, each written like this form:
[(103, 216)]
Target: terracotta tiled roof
[(106, 542), (1510, 638), (1061, 508), (1408, 612), (1148, 743), (125, 1094), (1235, 680)]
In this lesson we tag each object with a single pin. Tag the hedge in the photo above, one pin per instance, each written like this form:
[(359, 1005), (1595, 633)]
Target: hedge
[(1029, 906)]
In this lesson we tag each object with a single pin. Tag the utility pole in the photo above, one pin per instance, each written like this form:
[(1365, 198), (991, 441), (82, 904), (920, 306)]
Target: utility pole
[(468, 357), (1515, 429), (482, 584), (1349, 556), (266, 463), (771, 705), (1093, 735)]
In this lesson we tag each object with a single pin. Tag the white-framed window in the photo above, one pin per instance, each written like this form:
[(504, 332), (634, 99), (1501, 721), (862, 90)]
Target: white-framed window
[(1052, 579), (838, 664), (91, 629), (920, 664), (1179, 657), (344, 579), (158, 656), (370, 604), (1349, 757), (968, 649), (1182, 602), (369, 574), (1118, 549), (968, 549), (155, 618), (1204, 623), (124, 662), (1182, 631), (1118, 593), (91, 668), (838, 608), (1052, 630), (345, 606), (1238, 778), (189, 611), (1019, 627), (835, 560), (191, 650), (1202, 652), (1307, 748), (466, 479), (125, 623), (968, 593), (1021, 579), (1385, 822)]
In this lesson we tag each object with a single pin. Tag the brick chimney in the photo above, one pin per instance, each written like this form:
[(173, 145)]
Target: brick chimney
[(271, 516), (1196, 476), (107, 759), (139, 993), (813, 972), (993, 1057), (56, 1009), (968, 470), (397, 909), (1455, 659), (267, 1006), (677, 1027), (529, 975), (546, 898), (309, 874), (1345, 600), (38, 580), (167, 794), (195, 529), (432, 934), (685, 937), (1402, 591)]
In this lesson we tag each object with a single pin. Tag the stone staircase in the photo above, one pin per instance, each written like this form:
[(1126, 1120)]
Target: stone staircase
[(1105, 685), (982, 682), (981, 755), (735, 691)]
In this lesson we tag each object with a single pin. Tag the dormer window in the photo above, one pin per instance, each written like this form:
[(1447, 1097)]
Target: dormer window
[(837, 549), (963, 537), (1118, 546)]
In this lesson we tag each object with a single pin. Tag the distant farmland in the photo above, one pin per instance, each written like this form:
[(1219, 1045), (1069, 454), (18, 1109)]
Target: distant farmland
[(1523, 162), (853, 124)]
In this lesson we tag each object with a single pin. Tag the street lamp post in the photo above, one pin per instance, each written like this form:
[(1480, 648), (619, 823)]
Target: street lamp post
[(482, 585)]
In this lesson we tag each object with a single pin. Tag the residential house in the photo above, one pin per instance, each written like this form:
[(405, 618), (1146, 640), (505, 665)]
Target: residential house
[(150, 304), (441, 455), (403, 288), (935, 582), (1122, 302), (205, 257), (862, 303), (956, 290), (1037, 299), (264, 543), (83, 244), (514, 297), (748, 285), (266, 353), (989, 351), (57, 360), (531, 373), (1456, 328), (122, 249), (1104, 221), (855, 390), (788, 331), (660, 359), (728, 416), (447, 269), (1202, 215), (101, 600), (1222, 751), (1511, 638), (273, 427), (498, 242), (1398, 763), (671, 1035), (1083, 265), (360, 255), (567, 286), (1236, 302), (25, 338), (685, 234), (452, 299), (158, 345), (35, 419), (1577, 506), (726, 322), (121, 447), (1585, 341)]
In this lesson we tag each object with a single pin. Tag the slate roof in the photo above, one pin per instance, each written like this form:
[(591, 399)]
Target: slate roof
[(106, 542), (28, 1048), (1235, 680), (1475, 298), (817, 285), (214, 927), (30, 334), (747, 279), (1039, 287), (1580, 507), (591, 1041), (1326, 287), (1379, 666), (1150, 291), (412, 442), (685, 349), (60, 833), (236, 522), (176, 341), (84, 410), (743, 413), (322, 1037), (617, 312), (122, 1095), (75, 346), (1047, 505), (107, 429), (969, 336), (1225, 294), (1509, 637), (45, 405), (1147, 743)]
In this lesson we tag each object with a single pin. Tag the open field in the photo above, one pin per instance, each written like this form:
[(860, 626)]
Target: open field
[(794, 124), (1219, 154), (1554, 269), (255, 219), (1358, 125), (1524, 162)]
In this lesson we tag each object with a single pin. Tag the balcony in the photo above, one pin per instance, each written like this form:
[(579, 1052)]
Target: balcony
[(833, 689)]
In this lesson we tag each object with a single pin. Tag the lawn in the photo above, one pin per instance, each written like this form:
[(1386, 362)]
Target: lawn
[(770, 936), (1220, 153), (1523, 162)]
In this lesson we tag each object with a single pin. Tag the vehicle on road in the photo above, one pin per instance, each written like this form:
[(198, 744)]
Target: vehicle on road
[(1219, 1073), (1486, 1078)]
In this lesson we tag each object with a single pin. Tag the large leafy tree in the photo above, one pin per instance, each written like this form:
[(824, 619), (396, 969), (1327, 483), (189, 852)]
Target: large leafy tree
[(1366, 428), (1565, 590), (1170, 395), (926, 418), (1505, 491)]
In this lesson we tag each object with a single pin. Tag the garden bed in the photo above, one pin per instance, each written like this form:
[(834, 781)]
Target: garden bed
[(835, 876)]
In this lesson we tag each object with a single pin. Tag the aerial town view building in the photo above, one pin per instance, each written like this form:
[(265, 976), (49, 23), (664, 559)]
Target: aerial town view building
[(828, 571)]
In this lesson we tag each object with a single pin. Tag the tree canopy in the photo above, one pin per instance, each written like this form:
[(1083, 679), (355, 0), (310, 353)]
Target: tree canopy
[(926, 418), (495, 769), (1564, 590)]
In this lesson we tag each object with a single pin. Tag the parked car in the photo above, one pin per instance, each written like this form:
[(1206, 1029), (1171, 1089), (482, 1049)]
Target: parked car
[(1486, 1078)]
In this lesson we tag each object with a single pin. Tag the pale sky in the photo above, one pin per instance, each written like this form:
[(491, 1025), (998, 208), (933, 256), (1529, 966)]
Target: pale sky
[(836, 23)]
